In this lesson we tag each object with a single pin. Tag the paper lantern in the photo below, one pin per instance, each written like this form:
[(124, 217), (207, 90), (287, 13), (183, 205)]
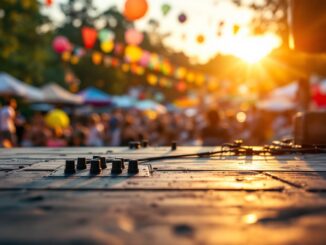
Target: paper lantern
[(74, 59), (145, 58), (166, 68), (48, 2), (66, 56), (182, 18), (115, 62), (133, 37), (236, 29), (154, 62), (152, 79), (125, 67), (135, 9), (140, 71), (97, 58), (107, 46), (118, 49), (190, 77), (200, 39), (57, 119), (106, 35), (180, 73), (165, 9), (61, 44), (133, 53), (107, 60), (80, 52), (199, 79), (89, 37), (181, 86)]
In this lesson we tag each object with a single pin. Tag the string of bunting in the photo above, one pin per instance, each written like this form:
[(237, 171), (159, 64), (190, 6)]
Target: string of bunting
[(129, 57)]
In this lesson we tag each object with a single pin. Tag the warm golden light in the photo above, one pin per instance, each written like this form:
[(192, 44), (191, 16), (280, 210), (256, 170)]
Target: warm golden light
[(252, 49)]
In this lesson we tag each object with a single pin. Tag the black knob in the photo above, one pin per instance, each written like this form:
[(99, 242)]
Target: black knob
[(103, 162), (173, 145), (144, 143), (95, 167), (133, 167), (70, 167), (116, 167), (134, 145), (81, 163)]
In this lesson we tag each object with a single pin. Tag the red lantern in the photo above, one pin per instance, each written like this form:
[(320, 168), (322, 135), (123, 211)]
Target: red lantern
[(48, 2), (135, 9), (89, 37)]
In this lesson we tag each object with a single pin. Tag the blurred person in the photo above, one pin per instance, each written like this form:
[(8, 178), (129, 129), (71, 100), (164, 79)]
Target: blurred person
[(78, 138), (214, 134), (7, 123), (96, 131), (129, 131), (114, 128), (56, 138)]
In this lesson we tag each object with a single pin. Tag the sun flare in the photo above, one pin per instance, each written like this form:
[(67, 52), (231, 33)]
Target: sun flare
[(252, 49)]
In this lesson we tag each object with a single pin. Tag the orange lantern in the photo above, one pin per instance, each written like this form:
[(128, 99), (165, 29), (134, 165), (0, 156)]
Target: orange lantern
[(135, 9), (152, 79), (97, 58), (89, 37)]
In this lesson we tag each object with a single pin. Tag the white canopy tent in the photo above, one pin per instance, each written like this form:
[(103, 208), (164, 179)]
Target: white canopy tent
[(280, 99), (12, 86), (53, 93)]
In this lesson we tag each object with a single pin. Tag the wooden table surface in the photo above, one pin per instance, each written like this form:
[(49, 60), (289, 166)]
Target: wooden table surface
[(217, 200)]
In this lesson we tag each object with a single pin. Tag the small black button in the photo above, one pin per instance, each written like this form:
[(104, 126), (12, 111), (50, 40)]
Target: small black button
[(133, 167), (95, 167), (144, 143), (70, 167), (134, 145), (81, 163), (173, 145), (116, 166)]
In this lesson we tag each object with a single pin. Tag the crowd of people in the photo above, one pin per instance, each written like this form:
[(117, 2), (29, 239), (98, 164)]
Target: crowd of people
[(118, 127)]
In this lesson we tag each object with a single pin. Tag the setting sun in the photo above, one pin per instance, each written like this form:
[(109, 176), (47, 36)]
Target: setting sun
[(252, 49)]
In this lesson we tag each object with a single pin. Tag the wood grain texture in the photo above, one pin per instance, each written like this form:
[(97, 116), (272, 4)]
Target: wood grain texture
[(216, 200)]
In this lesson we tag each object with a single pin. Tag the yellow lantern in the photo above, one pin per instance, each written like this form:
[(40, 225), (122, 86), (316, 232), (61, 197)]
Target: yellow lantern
[(107, 46), (133, 53)]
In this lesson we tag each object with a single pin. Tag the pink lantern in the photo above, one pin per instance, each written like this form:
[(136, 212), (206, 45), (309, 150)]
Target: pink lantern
[(144, 60), (61, 44), (133, 37)]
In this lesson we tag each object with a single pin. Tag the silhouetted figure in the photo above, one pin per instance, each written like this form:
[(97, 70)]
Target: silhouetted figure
[(214, 134)]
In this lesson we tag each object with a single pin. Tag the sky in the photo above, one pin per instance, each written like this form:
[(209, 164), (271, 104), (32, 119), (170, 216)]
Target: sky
[(203, 18)]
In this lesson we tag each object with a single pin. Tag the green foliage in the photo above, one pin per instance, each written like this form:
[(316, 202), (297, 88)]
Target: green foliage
[(24, 44)]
